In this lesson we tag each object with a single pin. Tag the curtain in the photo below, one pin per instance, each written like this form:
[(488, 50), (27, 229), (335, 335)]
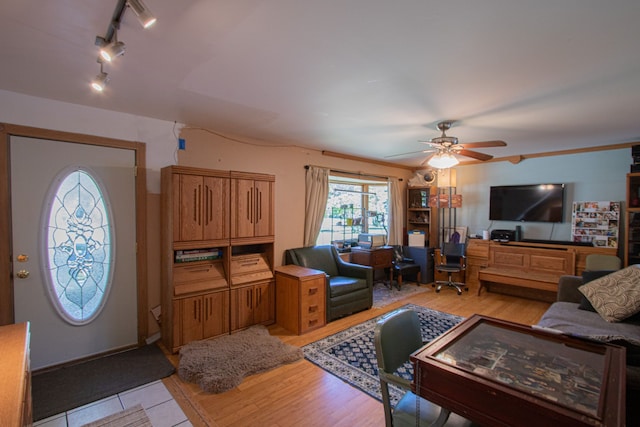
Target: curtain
[(396, 218), (316, 193)]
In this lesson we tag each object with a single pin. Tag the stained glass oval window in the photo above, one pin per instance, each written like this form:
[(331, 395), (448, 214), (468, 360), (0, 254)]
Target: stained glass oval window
[(78, 247)]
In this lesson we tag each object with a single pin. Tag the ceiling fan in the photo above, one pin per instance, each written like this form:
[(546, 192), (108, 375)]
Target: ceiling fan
[(448, 146)]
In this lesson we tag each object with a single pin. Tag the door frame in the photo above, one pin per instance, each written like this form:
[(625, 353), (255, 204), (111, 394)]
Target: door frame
[(7, 314)]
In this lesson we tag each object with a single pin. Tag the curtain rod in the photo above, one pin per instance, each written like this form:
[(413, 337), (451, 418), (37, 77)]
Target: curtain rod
[(367, 175)]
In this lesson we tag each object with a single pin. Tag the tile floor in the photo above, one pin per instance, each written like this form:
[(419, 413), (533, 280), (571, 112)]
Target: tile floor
[(154, 397)]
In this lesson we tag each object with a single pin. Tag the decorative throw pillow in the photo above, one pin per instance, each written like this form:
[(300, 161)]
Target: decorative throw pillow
[(588, 276), (615, 296)]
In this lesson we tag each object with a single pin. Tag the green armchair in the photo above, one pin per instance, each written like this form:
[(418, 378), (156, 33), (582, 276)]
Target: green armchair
[(349, 286)]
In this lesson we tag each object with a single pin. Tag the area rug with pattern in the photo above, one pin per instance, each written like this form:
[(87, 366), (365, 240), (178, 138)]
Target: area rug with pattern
[(384, 295), (350, 354)]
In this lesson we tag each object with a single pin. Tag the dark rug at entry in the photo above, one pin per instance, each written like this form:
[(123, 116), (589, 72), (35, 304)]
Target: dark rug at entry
[(69, 387)]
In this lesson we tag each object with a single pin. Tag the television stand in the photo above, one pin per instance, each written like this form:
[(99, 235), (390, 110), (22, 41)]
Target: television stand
[(557, 242)]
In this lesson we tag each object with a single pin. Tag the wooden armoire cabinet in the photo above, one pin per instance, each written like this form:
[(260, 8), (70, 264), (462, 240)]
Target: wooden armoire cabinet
[(213, 284), (202, 206), (253, 304), (201, 316), (252, 201)]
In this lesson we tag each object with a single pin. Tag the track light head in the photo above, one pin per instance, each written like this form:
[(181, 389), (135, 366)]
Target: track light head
[(112, 51), (100, 81), (144, 15)]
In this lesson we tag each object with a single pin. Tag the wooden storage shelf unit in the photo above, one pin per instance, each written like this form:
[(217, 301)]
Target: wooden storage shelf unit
[(632, 221), (217, 253), (420, 217)]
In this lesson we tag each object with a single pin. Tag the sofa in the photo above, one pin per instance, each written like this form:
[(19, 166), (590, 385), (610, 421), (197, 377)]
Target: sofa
[(572, 314), (349, 286)]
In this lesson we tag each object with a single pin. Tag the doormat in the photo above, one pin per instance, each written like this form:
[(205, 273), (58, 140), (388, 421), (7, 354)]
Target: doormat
[(69, 387), (351, 356)]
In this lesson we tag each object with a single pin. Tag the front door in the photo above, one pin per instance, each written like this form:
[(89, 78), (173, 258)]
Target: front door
[(38, 169)]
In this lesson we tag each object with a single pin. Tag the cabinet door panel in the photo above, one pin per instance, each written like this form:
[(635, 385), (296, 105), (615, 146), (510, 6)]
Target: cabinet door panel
[(241, 308), (215, 314), (242, 214), (190, 207), (264, 306), (263, 208), (215, 211), (191, 317)]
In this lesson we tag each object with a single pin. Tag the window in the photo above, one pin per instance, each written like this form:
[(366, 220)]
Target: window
[(354, 206), (78, 248)]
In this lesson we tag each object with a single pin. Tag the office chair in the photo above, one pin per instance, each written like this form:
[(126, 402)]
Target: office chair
[(396, 336), (452, 260)]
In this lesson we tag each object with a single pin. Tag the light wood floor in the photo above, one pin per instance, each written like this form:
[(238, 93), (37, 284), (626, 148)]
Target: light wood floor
[(302, 394)]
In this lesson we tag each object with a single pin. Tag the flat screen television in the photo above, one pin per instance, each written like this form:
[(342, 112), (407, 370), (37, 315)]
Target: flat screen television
[(535, 202)]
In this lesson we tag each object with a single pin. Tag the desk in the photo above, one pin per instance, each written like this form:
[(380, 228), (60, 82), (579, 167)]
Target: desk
[(500, 373), (377, 258)]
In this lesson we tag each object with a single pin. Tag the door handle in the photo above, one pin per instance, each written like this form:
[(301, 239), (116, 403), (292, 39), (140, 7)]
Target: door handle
[(22, 274)]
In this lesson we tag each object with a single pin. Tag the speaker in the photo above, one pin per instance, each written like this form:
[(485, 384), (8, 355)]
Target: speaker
[(517, 236)]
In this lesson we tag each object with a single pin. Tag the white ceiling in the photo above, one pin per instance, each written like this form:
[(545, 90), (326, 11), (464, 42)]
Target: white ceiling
[(362, 77)]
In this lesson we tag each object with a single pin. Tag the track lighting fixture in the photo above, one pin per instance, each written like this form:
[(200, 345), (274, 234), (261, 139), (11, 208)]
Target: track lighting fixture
[(110, 47), (144, 15), (100, 80), (113, 49)]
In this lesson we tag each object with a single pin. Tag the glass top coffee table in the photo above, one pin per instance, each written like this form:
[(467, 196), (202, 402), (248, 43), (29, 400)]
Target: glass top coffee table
[(506, 374)]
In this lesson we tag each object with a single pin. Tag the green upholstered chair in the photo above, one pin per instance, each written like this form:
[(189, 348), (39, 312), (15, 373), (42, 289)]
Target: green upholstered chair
[(349, 286), (396, 336)]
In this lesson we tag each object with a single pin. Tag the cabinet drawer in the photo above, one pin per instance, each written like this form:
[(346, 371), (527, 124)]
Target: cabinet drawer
[(198, 277), (309, 321), (250, 268), (311, 289)]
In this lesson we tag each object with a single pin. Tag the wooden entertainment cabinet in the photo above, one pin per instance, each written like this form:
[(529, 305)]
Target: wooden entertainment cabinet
[(217, 253), (534, 266)]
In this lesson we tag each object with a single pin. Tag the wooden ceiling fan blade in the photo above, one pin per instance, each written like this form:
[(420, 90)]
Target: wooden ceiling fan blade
[(474, 154), (485, 144)]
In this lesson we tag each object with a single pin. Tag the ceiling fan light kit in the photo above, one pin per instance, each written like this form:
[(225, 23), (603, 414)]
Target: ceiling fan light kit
[(447, 148), (443, 160)]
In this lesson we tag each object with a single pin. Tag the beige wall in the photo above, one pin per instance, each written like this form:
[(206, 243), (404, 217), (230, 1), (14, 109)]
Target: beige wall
[(208, 150)]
